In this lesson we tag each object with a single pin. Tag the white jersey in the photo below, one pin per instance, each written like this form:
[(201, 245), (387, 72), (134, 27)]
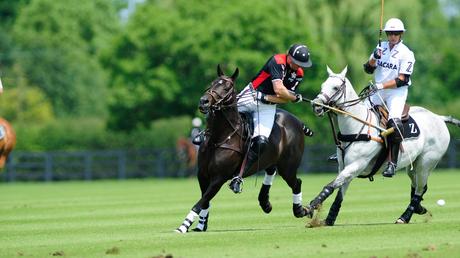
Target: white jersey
[(392, 63)]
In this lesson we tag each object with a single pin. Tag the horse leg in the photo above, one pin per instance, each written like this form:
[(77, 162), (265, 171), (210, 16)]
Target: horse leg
[(203, 215), (419, 187), (335, 207), (345, 176), (203, 204), (263, 198), (288, 173)]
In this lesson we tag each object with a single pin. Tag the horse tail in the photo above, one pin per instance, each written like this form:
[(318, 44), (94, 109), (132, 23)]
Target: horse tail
[(451, 120)]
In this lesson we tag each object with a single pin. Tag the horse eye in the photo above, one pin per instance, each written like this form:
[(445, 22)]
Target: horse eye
[(335, 88)]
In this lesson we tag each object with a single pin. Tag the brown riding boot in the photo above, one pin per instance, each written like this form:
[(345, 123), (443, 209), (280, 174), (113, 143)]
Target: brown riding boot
[(394, 140)]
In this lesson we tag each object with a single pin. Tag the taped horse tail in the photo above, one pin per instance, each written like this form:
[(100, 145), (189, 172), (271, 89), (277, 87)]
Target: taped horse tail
[(451, 120)]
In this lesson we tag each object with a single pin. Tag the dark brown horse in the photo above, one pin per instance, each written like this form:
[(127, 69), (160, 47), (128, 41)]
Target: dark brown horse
[(7, 141), (221, 154), (187, 153)]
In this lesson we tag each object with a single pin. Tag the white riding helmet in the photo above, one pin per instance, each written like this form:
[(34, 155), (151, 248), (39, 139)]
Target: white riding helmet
[(394, 24), (196, 122)]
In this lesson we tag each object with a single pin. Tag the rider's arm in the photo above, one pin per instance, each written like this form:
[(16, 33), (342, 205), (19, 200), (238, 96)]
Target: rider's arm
[(283, 95), (401, 80)]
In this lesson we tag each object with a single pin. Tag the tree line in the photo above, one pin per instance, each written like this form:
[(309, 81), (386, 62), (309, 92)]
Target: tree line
[(79, 74)]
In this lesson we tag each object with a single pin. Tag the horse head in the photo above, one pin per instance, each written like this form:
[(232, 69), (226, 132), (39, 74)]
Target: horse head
[(220, 94), (333, 91)]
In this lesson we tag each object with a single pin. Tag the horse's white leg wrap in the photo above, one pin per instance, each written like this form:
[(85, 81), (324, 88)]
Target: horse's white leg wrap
[(187, 222), (268, 179), (297, 198), (203, 219)]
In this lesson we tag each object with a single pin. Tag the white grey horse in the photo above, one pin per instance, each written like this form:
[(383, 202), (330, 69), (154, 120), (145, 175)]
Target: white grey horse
[(418, 155)]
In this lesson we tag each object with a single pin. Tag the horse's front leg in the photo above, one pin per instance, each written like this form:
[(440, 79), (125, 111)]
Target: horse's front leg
[(263, 198), (335, 207), (201, 208), (345, 176)]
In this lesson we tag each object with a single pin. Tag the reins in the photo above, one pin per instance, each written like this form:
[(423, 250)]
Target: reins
[(220, 104)]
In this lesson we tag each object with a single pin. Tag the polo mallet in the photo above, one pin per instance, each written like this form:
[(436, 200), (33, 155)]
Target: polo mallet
[(381, 21)]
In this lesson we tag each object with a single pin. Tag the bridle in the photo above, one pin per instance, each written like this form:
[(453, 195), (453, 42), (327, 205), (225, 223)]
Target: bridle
[(332, 100), (341, 92), (221, 102)]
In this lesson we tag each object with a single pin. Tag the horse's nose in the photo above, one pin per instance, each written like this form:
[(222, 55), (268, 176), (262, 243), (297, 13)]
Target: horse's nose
[(204, 102)]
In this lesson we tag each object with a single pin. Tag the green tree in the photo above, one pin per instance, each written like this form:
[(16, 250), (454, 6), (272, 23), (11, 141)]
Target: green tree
[(59, 43)]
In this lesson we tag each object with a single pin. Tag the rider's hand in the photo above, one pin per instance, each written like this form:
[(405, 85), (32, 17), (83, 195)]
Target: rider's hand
[(298, 98), (260, 96), (375, 86), (377, 53)]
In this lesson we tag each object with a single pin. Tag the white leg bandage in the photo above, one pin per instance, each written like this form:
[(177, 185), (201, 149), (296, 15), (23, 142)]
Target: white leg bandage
[(202, 219), (268, 179), (187, 222), (297, 198)]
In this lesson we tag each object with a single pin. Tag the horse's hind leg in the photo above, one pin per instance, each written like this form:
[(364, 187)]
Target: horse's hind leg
[(264, 201), (289, 175), (419, 186)]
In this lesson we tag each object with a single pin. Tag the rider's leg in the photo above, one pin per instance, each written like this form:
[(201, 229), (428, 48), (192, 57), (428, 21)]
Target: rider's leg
[(264, 117), (394, 140)]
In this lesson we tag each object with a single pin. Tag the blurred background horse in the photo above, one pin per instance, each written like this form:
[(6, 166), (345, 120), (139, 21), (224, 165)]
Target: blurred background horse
[(187, 152), (7, 141)]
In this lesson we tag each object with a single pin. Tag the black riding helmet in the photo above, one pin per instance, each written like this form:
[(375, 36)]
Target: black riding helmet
[(300, 55)]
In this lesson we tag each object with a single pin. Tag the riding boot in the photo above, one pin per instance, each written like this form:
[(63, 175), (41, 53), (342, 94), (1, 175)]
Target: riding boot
[(257, 147), (392, 164), (394, 140)]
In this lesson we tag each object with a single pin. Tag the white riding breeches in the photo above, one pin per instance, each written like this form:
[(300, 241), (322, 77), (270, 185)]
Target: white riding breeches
[(394, 100), (262, 114)]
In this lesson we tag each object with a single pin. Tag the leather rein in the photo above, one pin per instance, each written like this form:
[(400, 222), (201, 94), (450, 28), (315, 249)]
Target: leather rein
[(224, 103)]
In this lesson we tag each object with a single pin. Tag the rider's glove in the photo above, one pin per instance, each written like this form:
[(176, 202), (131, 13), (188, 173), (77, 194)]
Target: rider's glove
[(298, 98), (260, 96), (377, 53)]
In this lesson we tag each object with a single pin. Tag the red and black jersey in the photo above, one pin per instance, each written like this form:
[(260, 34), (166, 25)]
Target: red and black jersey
[(276, 68)]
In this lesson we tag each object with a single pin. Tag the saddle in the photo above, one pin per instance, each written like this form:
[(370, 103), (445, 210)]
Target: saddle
[(411, 130)]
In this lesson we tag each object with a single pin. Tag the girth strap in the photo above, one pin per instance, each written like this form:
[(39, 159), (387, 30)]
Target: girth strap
[(353, 137)]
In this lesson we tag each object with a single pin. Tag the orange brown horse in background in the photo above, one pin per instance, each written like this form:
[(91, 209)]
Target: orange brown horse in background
[(187, 152), (7, 141)]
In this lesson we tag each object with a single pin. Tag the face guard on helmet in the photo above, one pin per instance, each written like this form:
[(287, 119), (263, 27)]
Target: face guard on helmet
[(300, 55)]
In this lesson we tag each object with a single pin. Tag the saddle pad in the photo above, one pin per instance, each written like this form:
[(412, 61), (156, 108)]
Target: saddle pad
[(411, 129)]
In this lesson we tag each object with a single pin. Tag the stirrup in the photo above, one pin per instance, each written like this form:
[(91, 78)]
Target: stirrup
[(236, 185), (197, 140), (390, 170)]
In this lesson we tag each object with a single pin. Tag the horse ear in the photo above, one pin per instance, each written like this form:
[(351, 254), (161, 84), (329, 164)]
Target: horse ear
[(329, 71), (219, 71), (344, 72), (235, 74)]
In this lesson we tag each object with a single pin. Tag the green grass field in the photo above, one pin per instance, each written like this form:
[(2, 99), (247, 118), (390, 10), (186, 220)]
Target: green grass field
[(136, 218)]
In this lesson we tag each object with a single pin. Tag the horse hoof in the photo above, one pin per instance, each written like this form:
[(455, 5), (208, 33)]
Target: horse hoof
[(179, 230), (400, 221), (267, 208), (309, 212), (197, 230)]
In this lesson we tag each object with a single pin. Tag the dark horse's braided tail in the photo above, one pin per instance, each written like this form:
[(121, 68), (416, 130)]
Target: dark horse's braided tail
[(451, 120)]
